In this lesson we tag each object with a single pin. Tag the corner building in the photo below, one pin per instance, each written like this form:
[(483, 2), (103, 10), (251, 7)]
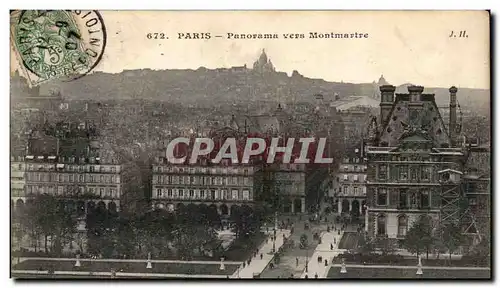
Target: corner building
[(414, 164)]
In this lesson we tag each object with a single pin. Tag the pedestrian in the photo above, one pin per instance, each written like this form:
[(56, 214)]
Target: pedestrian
[(297, 261), (331, 245), (316, 275), (261, 256)]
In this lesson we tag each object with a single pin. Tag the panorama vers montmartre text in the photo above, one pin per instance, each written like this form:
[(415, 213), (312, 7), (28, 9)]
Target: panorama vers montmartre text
[(243, 36)]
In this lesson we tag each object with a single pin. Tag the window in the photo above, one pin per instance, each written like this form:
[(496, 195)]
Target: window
[(425, 173), (181, 193), (70, 177), (403, 198), (234, 194), (414, 173), (202, 194), (382, 197), (394, 172), (246, 194), (81, 178), (355, 177), (402, 225), (158, 193), (92, 178), (112, 179), (101, 179), (403, 172), (191, 193), (245, 181), (92, 168), (346, 177), (382, 171), (212, 194), (181, 178), (355, 190), (424, 199), (60, 177), (472, 201), (414, 115), (113, 170), (445, 176), (234, 181), (413, 200), (381, 223), (169, 193), (101, 192), (113, 193)]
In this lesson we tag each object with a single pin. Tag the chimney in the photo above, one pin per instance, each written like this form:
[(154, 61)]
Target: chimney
[(453, 115), (386, 101), (415, 93)]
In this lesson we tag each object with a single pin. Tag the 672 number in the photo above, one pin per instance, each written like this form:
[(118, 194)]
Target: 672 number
[(156, 36)]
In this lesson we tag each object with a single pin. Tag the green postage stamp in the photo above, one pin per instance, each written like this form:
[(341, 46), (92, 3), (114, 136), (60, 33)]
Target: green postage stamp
[(57, 44)]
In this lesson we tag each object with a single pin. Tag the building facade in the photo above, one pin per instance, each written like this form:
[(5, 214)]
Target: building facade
[(224, 188), (414, 164), (349, 185), (283, 185), (80, 180)]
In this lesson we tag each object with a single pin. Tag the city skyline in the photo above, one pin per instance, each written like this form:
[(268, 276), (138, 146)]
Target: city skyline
[(423, 55)]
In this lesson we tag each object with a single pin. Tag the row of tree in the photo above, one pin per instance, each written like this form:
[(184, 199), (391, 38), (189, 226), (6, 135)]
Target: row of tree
[(190, 231), (425, 237)]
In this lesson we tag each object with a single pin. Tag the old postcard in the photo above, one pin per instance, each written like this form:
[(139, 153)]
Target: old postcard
[(250, 144)]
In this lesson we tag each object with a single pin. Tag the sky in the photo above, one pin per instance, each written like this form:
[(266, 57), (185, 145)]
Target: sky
[(406, 47)]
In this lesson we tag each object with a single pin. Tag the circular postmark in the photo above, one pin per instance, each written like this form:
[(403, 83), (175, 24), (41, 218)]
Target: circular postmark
[(59, 44)]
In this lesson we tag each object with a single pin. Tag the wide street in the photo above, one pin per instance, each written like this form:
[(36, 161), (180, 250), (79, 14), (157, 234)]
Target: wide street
[(293, 261)]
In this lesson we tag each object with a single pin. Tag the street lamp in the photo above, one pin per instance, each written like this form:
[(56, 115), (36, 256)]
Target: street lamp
[(307, 259)]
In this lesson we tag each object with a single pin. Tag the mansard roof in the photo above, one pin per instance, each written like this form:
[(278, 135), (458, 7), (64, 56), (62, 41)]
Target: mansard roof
[(394, 125)]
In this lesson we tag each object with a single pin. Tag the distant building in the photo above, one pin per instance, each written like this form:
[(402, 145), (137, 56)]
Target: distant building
[(263, 64)]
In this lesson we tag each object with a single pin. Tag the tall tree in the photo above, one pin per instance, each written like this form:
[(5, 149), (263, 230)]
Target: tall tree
[(413, 239), (53, 220), (452, 237)]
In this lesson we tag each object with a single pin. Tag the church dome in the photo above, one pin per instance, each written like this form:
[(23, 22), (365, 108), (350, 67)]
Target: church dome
[(263, 57)]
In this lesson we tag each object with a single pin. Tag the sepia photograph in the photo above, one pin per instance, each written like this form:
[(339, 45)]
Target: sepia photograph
[(250, 145)]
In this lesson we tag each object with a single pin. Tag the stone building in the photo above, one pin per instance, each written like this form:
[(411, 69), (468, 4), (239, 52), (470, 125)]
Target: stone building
[(223, 188), (83, 178), (349, 185), (415, 165)]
